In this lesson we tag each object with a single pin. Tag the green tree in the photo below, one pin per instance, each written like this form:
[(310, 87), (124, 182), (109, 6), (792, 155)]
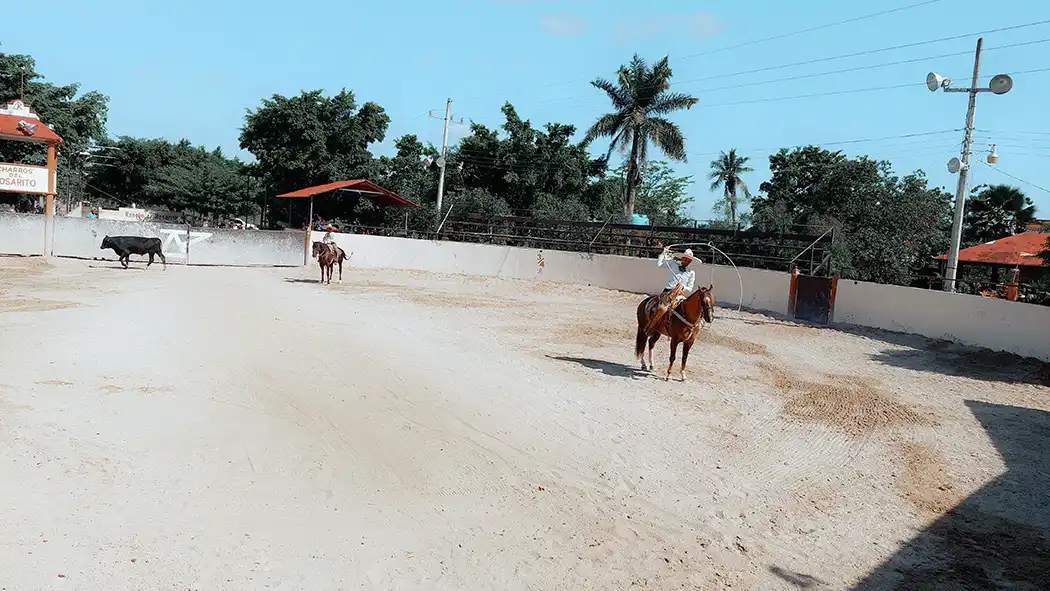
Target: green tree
[(996, 211), (79, 118), (312, 139), (174, 176), (887, 228), (663, 195), (523, 163), (726, 172), (640, 99)]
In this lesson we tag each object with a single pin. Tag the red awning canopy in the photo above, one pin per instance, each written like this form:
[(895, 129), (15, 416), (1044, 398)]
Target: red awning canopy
[(18, 122), (362, 187), (1019, 250)]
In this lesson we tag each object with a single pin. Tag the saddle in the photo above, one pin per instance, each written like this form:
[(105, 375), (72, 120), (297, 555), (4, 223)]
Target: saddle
[(652, 306)]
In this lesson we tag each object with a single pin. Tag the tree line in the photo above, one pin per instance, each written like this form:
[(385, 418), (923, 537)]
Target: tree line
[(887, 227)]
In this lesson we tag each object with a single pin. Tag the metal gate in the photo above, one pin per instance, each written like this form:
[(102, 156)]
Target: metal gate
[(814, 298)]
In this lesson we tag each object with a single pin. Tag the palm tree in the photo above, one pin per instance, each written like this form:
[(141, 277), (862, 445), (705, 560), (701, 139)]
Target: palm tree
[(641, 98), (997, 211), (725, 174)]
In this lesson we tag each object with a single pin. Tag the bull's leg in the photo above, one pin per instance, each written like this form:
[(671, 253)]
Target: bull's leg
[(150, 260), (685, 355), (670, 364), (124, 260), (163, 260)]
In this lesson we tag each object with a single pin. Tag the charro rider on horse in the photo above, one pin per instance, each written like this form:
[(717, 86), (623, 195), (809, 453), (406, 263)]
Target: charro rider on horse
[(679, 275)]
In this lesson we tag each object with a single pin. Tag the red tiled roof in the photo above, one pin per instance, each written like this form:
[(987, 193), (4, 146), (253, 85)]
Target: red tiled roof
[(19, 122), (364, 187), (1017, 250)]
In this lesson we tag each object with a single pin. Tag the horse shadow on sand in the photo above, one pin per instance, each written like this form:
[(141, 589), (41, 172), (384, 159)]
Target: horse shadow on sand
[(609, 368)]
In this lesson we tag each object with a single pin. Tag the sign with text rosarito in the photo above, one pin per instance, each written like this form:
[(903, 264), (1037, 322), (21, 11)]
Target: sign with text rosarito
[(19, 178)]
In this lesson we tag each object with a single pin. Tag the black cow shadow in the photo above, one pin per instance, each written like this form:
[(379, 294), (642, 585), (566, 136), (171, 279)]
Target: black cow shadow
[(998, 537), (117, 266), (300, 280), (616, 370)]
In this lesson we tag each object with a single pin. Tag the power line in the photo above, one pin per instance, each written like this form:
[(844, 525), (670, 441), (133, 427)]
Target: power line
[(1016, 178), (764, 40), (475, 158), (859, 54), (812, 29), (872, 66), (811, 95)]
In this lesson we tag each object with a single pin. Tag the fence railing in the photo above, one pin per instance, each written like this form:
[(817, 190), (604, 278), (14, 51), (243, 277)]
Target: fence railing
[(764, 250)]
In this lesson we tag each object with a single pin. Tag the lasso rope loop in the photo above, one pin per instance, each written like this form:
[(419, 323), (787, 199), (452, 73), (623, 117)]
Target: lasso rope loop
[(740, 305)]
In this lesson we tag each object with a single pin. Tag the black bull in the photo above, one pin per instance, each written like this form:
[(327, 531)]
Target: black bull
[(125, 246)]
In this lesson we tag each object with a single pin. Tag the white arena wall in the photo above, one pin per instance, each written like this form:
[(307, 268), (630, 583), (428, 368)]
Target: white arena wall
[(762, 290), (994, 323), (1001, 325)]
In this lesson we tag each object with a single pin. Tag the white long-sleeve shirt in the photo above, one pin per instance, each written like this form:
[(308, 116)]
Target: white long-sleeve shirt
[(687, 277)]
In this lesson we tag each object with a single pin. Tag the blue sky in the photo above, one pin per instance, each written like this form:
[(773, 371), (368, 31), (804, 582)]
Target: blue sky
[(191, 68)]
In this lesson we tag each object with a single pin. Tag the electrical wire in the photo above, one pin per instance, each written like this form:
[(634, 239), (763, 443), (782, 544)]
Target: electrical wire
[(762, 40), (862, 53), (1016, 178), (819, 75)]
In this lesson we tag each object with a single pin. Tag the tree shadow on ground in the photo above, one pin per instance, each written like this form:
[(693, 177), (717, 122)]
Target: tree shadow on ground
[(998, 537), (617, 370)]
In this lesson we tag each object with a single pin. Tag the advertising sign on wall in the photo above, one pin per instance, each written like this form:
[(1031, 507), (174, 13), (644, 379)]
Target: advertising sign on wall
[(18, 178)]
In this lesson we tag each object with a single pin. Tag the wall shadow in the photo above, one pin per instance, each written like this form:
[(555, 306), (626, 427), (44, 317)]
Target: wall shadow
[(609, 368), (926, 355), (998, 537)]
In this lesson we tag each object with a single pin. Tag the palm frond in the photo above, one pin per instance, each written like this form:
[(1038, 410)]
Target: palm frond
[(617, 94), (670, 102), (607, 125), (668, 137)]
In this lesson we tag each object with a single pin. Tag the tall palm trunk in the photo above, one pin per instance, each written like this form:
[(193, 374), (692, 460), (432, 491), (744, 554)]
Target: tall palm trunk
[(634, 178), (732, 207)]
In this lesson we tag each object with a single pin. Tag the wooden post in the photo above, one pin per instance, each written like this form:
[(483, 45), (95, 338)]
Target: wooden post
[(306, 238), (49, 200), (792, 291), (831, 300)]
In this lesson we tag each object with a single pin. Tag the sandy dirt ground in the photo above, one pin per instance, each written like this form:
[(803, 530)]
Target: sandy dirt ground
[(206, 428)]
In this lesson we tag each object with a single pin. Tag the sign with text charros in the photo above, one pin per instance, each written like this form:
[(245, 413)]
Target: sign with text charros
[(18, 178)]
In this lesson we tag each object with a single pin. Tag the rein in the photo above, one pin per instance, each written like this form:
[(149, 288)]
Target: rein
[(693, 326)]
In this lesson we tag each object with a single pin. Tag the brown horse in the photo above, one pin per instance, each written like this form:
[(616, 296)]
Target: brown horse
[(681, 324), (327, 255)]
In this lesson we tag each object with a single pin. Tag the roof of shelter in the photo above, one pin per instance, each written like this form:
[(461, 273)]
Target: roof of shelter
[(1013, 251), (20, 123), (363, 187)]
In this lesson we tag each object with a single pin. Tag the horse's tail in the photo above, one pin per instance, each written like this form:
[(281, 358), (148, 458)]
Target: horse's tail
[(640, 337)]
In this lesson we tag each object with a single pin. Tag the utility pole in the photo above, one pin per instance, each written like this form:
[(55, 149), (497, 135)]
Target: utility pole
[(1000, 84), (964, 177), (441, 162)]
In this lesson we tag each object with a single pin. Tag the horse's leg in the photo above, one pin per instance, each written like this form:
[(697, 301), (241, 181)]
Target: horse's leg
[(340, 269), (652, 345), (674, 347), (685, 355), (320, 265)]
